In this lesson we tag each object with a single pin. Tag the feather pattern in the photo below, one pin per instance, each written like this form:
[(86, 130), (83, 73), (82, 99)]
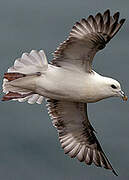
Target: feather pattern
[(75, 132), (86, 38)]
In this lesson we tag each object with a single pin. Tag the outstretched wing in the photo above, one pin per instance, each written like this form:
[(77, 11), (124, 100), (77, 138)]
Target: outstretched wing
[(75, 132), (86, 38)]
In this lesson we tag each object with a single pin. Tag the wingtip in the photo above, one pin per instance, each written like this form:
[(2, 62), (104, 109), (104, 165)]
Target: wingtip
[(116, 15), (122, 21), (114, 172), (107, 11)]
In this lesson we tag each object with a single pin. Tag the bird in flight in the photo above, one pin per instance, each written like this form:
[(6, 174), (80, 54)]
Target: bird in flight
[(68, 83)]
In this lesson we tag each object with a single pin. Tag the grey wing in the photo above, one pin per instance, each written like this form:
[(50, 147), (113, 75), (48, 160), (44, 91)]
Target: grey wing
[(86, 38), (75, 132)]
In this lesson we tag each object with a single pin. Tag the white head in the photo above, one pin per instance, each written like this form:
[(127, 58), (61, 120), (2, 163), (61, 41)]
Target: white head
[(111, 88), (105, 87)]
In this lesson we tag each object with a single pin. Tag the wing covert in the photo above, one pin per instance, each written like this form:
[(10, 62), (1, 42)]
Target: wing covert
[(86, 38)]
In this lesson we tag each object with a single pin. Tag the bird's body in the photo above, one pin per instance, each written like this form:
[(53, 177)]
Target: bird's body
[(68, 83)]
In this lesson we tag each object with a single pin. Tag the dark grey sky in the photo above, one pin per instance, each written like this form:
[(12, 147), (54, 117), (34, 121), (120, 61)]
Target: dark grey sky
[(29, 148)]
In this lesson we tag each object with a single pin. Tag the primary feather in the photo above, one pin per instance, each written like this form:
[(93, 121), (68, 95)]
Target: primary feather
[(86, 38)]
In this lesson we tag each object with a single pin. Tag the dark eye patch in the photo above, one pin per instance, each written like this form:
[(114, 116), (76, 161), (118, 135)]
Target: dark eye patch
[(113, 86)]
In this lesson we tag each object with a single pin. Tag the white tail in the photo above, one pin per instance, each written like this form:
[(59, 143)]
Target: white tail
[(32, 63)]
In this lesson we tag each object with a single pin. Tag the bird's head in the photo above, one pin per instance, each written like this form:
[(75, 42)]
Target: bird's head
[(113, 88)]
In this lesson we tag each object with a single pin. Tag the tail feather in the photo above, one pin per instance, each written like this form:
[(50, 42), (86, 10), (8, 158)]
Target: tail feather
[(30, 64), (13, 76), (14, 95)]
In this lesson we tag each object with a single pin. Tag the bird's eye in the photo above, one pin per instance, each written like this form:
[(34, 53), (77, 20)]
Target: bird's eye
[(113, 86)]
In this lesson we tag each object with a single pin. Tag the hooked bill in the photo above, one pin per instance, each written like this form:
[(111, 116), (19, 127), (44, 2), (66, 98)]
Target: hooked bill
[(125, 98)]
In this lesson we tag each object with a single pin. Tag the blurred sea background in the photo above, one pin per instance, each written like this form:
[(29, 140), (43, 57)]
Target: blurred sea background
[(29, 147)]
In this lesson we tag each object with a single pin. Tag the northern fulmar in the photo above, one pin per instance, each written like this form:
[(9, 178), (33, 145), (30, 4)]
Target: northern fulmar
[(68, 83)]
